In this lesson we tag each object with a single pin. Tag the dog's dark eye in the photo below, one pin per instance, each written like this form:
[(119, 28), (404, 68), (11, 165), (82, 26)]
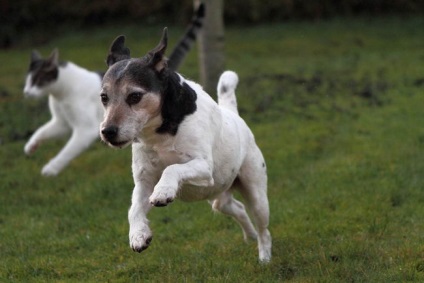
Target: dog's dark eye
[(104, 98), (134, 98)]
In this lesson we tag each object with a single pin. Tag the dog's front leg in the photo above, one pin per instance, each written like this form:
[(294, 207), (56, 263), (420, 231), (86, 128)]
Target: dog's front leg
[(53, 129), (80, 140), (140, 233), (196, 172)]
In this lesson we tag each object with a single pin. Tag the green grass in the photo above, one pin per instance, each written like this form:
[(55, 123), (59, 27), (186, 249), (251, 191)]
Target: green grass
[(337, 108)]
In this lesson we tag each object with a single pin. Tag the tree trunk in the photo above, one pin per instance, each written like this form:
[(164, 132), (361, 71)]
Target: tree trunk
[(211, 45)]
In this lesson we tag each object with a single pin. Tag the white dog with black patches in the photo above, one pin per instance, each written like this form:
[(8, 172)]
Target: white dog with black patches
[(184, 144), (74, 106)]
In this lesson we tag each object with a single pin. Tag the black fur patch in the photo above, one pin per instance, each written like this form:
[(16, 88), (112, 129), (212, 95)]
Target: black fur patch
[(43, 72), (178, 101), (223, 89)]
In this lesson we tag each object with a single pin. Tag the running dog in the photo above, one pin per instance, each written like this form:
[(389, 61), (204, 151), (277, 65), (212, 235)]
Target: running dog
[(184, 144)]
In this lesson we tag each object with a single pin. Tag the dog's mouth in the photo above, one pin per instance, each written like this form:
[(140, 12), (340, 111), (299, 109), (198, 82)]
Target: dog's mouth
[(119, 144)]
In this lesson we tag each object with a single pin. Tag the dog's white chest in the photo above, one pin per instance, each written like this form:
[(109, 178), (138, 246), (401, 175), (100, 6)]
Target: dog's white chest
[(165, 156)]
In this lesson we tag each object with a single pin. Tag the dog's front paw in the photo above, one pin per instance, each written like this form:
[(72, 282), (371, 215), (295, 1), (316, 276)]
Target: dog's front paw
[(30, 148), (139, 241), (49, 170), (162, 195)]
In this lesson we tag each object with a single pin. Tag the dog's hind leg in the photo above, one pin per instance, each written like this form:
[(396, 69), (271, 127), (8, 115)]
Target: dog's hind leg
[(253, 188), (226, 204), (226, 91)]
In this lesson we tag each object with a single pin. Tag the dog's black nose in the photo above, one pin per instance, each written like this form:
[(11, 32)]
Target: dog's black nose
[(110, 132)]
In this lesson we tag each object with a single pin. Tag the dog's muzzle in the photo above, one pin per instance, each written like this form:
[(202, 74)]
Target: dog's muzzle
[(110, 133)]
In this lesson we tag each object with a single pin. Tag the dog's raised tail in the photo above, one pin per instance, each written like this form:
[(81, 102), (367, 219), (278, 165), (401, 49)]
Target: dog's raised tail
[(227, 85), (185, 43)]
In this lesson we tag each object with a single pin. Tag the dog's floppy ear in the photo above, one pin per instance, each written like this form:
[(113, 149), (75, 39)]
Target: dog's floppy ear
[(35, 55), (117, 51), (157, 55)]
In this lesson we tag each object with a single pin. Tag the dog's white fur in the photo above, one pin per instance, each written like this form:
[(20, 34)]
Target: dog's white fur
[(75, 108), (212, 153)]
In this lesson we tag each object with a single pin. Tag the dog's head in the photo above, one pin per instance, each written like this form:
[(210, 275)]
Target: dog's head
[(142, 93), (41, 73)]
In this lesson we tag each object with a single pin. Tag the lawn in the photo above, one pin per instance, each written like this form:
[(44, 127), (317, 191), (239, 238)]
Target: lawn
[(337, 109)]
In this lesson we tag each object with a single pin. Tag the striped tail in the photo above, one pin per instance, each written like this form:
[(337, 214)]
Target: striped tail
[(227, 85), (186, 41)]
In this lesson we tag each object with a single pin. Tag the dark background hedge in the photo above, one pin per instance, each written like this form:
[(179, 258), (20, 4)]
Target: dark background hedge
[(21, 16)]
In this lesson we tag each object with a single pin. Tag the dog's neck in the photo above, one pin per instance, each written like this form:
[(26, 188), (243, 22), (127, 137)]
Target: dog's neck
[(149, 135)]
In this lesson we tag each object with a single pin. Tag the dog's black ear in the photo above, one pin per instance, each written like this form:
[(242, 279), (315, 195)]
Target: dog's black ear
[(117, 51), (35, 55), (53, 59), (157, 55)]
